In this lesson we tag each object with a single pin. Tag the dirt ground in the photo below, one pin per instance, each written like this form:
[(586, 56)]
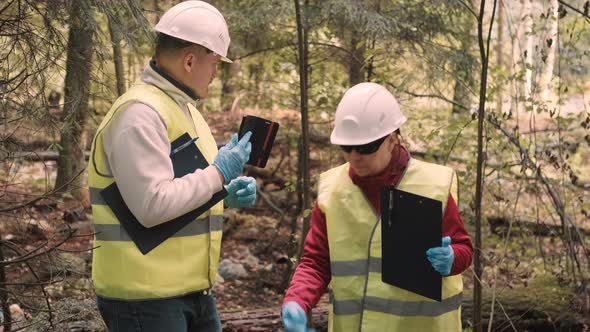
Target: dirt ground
[(259, 231)]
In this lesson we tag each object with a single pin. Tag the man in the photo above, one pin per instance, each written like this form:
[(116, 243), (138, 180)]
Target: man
[(168, 288)]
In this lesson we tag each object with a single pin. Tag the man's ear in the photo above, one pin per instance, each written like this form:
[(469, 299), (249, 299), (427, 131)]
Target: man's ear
[(189, 61)]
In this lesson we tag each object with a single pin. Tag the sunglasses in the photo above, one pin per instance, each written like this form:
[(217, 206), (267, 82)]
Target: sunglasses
[(368, 148)]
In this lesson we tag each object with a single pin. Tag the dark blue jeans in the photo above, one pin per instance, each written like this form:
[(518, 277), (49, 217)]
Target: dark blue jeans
[(195, 312)]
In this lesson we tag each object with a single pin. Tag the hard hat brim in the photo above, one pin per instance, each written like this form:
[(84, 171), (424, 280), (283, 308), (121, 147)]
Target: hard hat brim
[(340, 137), (224, 59)]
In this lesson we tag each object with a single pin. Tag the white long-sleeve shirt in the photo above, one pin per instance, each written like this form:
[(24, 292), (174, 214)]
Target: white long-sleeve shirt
[(137, 150)]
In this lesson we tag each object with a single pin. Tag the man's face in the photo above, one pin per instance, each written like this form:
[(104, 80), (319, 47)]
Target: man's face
[(201, 69)]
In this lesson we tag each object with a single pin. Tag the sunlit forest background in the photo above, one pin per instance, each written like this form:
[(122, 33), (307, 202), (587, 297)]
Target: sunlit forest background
[(498, 90)]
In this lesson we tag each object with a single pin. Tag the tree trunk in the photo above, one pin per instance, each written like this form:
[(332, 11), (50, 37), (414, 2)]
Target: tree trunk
[(229, 84), (356, 61), (500, 55), (463, 74), (549, 57), (130, 67), (518, 60), (301, 17), (117, 58), (371, 46), (463, 67), (4, 308), (527, 12), (480, 176), (77, 89)]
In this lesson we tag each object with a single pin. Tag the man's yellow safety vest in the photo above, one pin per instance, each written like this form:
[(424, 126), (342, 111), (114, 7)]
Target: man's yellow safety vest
[(184, 263), (360, 301)]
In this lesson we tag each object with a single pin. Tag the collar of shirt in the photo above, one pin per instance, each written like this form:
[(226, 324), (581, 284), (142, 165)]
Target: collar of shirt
[(371, 185), (157, 77)]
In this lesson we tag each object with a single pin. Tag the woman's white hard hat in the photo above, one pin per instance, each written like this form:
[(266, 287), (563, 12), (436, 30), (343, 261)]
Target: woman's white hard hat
[(197, 22), (366, 113)]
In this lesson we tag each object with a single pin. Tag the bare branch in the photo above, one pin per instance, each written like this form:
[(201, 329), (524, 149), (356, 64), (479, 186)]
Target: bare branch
[(471, 11), (584, 14), (56, 190), (413, 94)]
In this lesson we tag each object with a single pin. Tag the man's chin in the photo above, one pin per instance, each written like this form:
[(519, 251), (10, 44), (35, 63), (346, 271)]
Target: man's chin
[(203, 94)]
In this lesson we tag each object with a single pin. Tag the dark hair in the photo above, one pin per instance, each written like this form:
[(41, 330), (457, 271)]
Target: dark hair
[(166, 43)]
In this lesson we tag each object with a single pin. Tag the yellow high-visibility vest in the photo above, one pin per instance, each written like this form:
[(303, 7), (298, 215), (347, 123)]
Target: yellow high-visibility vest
[(360, 300), (185, 263)]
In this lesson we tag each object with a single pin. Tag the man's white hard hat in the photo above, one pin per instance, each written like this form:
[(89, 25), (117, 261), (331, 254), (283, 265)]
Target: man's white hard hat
[(366, 113), (197, 22)]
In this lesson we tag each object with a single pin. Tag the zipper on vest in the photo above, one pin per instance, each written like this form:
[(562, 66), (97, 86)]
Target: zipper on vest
[(367, 266), (367, 274)]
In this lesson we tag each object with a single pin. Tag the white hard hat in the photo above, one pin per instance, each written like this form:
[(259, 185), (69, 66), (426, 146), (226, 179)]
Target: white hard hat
[(197, 22), (366, 113)]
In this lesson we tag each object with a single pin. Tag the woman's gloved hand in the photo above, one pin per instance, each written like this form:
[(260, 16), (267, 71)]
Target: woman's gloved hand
[(242, 192), (294, 318), (232, 157), (442, 258)]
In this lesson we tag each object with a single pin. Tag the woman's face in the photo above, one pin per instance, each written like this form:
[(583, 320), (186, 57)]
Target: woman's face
[(374, 163)]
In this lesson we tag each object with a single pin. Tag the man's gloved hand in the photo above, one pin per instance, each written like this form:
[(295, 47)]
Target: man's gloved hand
[(233, 156), (294, 318), (242, 192), (442, 258)]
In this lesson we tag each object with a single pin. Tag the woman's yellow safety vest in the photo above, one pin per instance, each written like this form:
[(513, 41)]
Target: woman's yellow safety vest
[(360, 301), (184, 263)]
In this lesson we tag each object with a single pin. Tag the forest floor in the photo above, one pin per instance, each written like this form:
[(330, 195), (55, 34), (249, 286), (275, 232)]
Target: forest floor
[(258, 238)]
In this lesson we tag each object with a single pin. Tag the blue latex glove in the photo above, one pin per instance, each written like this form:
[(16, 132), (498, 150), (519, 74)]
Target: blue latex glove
[(233, 156), (442, 258), (294, 318), (242, 192)]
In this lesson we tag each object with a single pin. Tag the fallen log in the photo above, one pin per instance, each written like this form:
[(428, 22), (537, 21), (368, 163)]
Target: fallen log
[(543, 305), (38, 155), (500, 225), (267, 319)]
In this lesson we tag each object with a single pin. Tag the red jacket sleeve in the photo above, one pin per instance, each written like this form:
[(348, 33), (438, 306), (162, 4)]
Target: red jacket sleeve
[(313, 274), (453, 226)]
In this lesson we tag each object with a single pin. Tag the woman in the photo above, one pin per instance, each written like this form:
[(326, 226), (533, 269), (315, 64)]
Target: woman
[(343, 246)]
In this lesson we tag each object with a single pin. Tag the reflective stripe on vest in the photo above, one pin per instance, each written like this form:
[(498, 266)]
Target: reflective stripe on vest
[(356, 267), (361, 301), (399, 308), (114, 232), (184, 263)]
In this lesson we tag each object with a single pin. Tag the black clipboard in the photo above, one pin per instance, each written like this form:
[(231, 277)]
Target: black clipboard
[(410, 225), (184, 162), (263, 136)]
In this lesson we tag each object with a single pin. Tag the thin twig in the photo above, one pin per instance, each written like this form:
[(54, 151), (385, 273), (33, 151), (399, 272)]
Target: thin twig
[(574, 9), (413, 94), (468, 8), (265, 197), (58, 189)]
